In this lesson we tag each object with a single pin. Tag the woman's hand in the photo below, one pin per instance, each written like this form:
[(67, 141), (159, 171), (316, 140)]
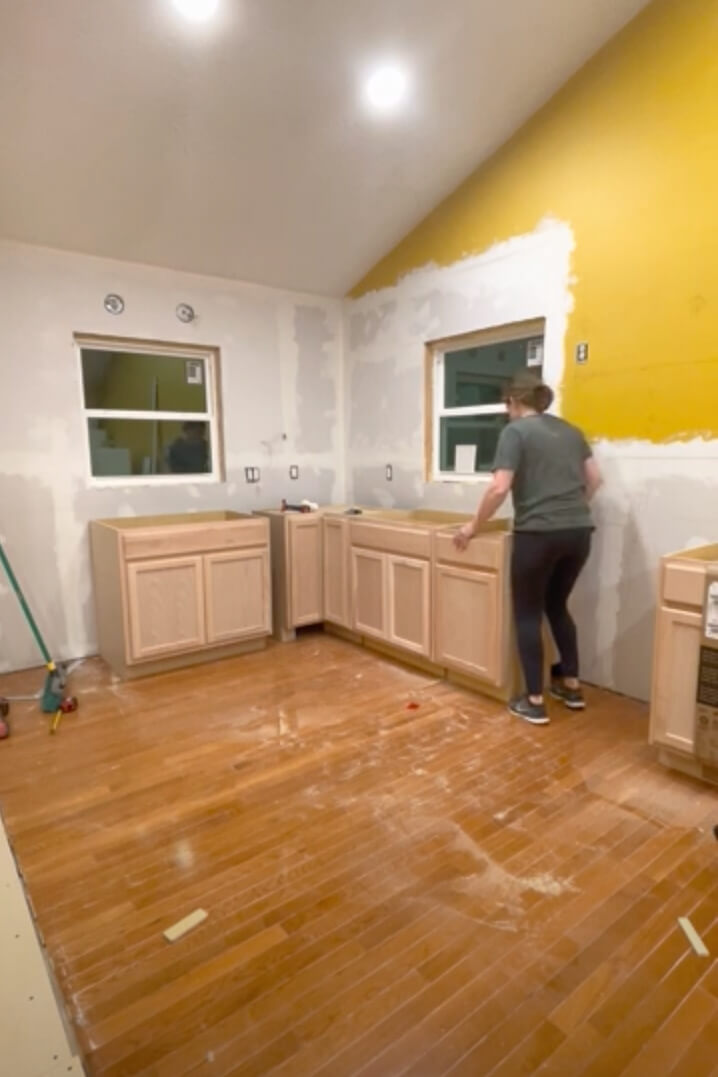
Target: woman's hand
[(464, 535)]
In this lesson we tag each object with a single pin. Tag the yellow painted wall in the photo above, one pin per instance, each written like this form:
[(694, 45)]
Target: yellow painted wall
[(627, 154), (128, 385)]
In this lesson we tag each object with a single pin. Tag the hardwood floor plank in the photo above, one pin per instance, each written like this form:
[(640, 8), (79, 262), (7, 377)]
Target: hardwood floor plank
[(400, 878)]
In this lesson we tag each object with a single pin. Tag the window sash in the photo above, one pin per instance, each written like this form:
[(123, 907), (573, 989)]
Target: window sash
[(439, 389), (208, 356)]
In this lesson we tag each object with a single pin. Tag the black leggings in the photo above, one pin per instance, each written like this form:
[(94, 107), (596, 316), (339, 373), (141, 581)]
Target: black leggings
[(544, 568)]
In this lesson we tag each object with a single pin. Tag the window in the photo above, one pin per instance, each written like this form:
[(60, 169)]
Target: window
[(466, 377), (150, 411)]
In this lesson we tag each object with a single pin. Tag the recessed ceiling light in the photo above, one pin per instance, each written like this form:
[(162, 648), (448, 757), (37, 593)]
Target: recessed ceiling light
[(386, 89), (197, 10)]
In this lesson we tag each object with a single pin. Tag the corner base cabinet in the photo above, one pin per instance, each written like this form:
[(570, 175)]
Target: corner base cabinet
[(177, 590), (677, 646)]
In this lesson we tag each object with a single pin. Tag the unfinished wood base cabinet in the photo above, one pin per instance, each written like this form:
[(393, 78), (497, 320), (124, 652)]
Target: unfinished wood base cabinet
[(176, 590), (679, 630), (297, 570), (391, 578)]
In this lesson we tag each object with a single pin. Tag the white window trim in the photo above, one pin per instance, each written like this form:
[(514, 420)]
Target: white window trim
[(436, 352), (212, 416)]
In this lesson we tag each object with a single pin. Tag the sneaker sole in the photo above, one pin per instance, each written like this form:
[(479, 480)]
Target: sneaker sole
[(571, 706), (527, 718)]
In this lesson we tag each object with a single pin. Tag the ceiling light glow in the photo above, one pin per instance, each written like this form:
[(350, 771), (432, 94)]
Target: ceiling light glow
[(386, 89), (197, 10)]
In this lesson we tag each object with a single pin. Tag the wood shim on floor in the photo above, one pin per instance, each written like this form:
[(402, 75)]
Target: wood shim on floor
[(183, 926), (693, 937)]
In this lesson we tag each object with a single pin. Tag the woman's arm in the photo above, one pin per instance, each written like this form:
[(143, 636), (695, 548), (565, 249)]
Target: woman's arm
[(493, 499), (592, 476)]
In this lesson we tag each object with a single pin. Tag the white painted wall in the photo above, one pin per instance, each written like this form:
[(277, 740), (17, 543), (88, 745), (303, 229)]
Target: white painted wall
[(657, 498), (281, 369)]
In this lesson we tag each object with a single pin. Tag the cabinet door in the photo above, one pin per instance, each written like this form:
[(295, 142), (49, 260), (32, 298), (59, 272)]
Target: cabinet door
[(237, 595), (165, 601), (305, 570), (675, 678), (337, 570), (369, 592), (467, 629), (409, 608)]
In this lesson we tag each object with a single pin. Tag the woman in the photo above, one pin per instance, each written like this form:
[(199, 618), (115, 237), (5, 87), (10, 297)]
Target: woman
[(548, 466)]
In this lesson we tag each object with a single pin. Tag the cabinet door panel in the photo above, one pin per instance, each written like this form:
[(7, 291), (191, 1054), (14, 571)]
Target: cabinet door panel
[(305, 570), (238, 595), (369, 592), (467, 627), (409, 599), (337, 570), (675, 678), (165, 601)]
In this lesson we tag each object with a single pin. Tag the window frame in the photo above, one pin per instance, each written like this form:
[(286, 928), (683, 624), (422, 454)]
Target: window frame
[(212, 415), (434, 390)]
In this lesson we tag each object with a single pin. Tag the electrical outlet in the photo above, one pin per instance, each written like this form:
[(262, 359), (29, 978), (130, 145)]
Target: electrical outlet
[(582, 352), (389, 472), (248, 474), (294, 472), (255, 477)]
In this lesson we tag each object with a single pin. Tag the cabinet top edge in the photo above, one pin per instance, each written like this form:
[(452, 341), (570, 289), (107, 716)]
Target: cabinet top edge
[(179, 519)]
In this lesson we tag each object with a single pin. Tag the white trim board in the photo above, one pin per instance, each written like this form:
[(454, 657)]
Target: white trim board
[(33, 1036)]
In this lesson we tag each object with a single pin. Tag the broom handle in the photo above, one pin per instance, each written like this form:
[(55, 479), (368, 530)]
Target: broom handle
[(25, 608)]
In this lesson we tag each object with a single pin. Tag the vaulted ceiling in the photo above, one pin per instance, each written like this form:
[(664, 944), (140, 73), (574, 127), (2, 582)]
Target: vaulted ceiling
[(240, 147)]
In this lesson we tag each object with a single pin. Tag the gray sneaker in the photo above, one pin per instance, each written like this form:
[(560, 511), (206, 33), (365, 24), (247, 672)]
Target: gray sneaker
[(535, 713), (570, 697)]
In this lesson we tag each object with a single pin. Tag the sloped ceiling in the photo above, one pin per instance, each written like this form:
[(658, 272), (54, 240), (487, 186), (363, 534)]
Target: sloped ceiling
[(241, 148)]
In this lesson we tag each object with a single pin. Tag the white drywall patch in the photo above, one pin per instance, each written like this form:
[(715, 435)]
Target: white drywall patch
[(658, 498)]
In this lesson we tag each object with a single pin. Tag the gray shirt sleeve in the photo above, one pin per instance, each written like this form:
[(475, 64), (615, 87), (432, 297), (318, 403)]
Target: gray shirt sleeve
[(508, 450)]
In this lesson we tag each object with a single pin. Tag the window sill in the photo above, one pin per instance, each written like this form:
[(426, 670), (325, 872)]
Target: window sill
[(152, 480), (469, 480)]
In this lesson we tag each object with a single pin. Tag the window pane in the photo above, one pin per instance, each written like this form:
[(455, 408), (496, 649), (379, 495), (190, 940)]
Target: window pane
[(128, 381), (475, 436), (474, 376), (145, 447)]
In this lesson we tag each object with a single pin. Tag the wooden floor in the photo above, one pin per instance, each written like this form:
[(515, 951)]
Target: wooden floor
[(400, 878)]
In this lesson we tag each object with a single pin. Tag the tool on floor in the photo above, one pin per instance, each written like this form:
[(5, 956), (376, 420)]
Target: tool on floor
[(4, 724), (54, 699)]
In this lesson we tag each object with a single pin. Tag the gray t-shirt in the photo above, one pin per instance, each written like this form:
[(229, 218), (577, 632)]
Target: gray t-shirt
[(547, 456)]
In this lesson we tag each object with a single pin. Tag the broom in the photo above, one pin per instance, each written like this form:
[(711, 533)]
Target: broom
[(53, 699)]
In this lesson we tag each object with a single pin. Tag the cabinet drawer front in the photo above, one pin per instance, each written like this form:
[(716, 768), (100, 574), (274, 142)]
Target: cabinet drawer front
[(193, 538), (405, 541), (484, 551), (684, 585)]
